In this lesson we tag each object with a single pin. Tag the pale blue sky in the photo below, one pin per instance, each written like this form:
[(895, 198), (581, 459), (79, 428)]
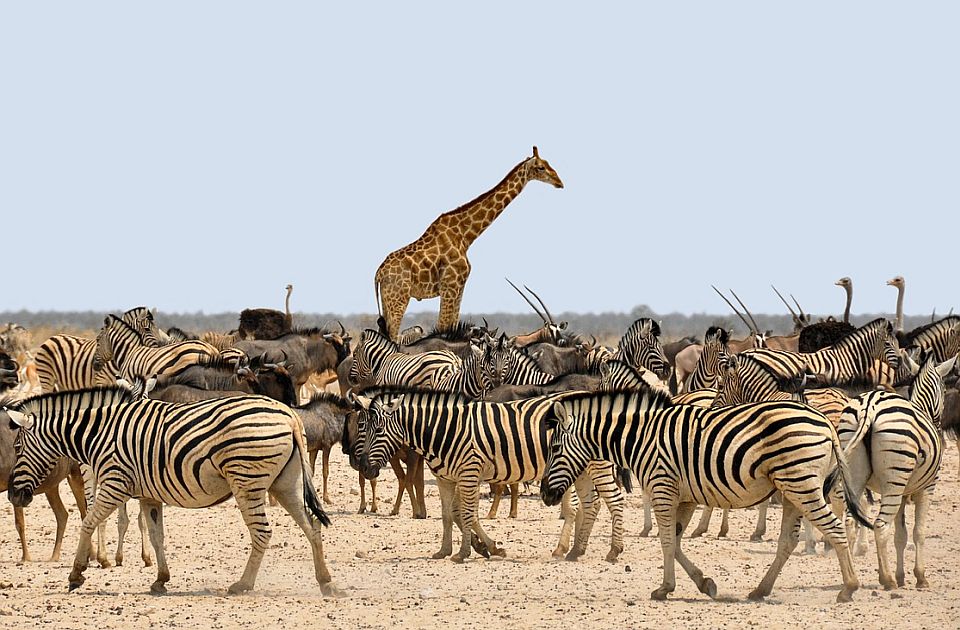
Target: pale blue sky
[(201, 155)]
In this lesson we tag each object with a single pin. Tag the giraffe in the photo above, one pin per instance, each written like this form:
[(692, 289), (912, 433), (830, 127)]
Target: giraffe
[(436, 263)]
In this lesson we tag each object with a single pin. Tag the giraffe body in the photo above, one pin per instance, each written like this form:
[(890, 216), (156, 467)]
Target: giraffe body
[(436, 264)]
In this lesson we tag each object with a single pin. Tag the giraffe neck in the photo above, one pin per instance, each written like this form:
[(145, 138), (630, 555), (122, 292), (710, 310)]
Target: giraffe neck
[(471, 219)]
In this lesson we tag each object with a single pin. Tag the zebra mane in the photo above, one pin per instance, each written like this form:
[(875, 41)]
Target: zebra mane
[(722, 335), (380, 391), (114, 320), (77, 399), (376, 335), (787, 383), (178, 334), (461, 331), (137, 310), (929, 331), (9, 400), (327, 397), (656, 399), (858, 334)]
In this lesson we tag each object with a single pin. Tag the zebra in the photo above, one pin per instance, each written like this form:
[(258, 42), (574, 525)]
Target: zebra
[(67, 362), (378, 360), (640, 347), (120, 345), (687, 456), (705, 374), (467, 442), (189, 455), (941, 337), (895, 446), (477, 375)]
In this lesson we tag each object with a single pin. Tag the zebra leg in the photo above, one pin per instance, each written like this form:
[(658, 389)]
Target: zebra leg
[(921, 501), (612, 497), (761, 528), (704, 523), (586, 515), (704, 584), (568, 514), (514, 499), (496, 489), (890, 505), (89, 496), (155, 527), (469, 505), (123, 523), (60, 513), (809, 539), (111, 494), (789, 537), (252, 506), (289, 490), (447, 491), (647, 518), (665, 508), (18, 520), (812, 506), (144, 538), (724, 523), (900, 541)]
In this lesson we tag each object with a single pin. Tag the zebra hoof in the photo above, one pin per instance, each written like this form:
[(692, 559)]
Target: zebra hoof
[(709, 588), (613, 555), (238, 587), (756, 538), (158, 588), (329, 590), (845, 595), (76, 583), (573, 556), (119, 561)]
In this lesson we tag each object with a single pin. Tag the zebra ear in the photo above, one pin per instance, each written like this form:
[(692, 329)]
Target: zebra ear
[(150, 385), (562, 416), (359, 401), (20, 419), (395, 404), (909, 358), (124, 383), (946, 367)]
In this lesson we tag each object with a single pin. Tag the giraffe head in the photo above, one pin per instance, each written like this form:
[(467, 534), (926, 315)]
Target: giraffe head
[(538, 168)]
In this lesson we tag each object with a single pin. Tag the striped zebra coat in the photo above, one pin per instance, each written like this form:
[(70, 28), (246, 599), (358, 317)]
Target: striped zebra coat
[(465, 443), (68, 362), (895, 446), (379, 361), (120, 345), (189, 455), (687, 456)]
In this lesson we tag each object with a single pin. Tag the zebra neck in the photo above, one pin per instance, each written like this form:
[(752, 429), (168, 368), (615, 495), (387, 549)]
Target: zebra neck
[(75, 434)]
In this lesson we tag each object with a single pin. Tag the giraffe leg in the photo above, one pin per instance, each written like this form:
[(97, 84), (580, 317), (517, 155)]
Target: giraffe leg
[(395, 299), (451, 293)]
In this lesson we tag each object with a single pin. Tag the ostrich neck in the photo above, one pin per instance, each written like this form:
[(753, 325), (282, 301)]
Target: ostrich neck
[(846, 310), (899, 318)]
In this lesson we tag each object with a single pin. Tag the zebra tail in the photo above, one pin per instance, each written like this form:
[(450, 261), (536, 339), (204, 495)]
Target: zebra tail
[(843, 470), (625, 479), (310, 499)]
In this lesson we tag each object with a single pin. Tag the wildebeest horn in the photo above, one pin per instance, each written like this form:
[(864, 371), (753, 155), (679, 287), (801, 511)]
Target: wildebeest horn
[(532, 305), (739, 301), (343, 331), (734, 308), (546, 310)]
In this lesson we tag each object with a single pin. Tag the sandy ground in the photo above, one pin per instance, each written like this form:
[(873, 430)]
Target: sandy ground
[(383, 565)]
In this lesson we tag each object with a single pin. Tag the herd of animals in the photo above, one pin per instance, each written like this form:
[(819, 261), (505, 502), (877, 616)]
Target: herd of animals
[(829, 418)]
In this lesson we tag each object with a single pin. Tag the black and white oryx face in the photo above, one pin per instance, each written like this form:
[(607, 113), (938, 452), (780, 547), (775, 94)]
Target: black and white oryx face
[(567, 458), (378, 428), (34, 460)]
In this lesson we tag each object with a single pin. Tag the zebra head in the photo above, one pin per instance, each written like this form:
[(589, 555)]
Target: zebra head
[(567, 457), (34, 459), (729, 386), (141, 320), (360, 369), (379, 427), (927, 390), (640, 347), (103, 354)]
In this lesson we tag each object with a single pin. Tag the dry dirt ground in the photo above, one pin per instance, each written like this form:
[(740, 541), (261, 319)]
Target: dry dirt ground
[(383, 565)]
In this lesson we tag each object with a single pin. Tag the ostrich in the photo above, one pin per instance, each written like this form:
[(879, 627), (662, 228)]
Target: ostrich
[(266, 323), (826, 333), (847, 285), (898, 282)]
